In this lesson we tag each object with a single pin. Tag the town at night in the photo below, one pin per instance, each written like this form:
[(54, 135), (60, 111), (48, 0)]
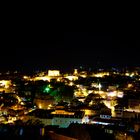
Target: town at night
[(81, 104), (72, 86)]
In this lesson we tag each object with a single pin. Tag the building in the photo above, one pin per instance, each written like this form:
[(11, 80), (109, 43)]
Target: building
[(59, 118), (53, 73)]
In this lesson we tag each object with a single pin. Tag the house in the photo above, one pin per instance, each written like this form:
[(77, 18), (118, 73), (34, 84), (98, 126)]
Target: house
[(60, 118)]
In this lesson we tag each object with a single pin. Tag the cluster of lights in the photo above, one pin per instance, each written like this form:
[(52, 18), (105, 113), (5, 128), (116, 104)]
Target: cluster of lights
[(101, 74), (130, 74), (44, 78), (5, 83), (118, 94)]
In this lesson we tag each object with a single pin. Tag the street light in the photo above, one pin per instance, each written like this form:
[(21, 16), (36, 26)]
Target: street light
[(99, 86)]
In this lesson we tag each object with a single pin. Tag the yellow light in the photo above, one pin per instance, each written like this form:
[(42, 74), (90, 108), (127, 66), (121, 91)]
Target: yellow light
[(62, 112), (50, 105), (5, 83), (127, 74), (102, 74), (44, 78), (71, 78), (130, 85), (25, 77), (43, 131), (71, 84), (40, 106), (22, 103)]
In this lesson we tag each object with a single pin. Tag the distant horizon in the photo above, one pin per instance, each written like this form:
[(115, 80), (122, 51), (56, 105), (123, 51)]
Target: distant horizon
[(82, 67)]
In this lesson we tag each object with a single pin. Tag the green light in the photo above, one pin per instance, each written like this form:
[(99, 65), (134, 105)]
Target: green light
[(47, 89)]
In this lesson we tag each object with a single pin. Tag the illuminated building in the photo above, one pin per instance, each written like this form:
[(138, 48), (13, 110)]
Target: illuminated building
[(75, 72), (53, 73), (44, 103), (61, 118)]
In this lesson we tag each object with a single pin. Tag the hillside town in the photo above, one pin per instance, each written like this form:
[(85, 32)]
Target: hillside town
[(83, 104)]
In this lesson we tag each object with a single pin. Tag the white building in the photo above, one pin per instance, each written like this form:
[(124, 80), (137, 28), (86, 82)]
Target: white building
[(60, 118), (53, 73)]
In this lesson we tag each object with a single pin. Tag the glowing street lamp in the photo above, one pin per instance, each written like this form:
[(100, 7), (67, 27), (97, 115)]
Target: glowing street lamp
[(99, 86)]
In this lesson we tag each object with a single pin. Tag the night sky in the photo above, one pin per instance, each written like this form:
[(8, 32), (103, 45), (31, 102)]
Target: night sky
[(65, 50)]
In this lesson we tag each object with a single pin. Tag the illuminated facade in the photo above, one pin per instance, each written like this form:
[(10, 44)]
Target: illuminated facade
[(53, 73), (61, 118)]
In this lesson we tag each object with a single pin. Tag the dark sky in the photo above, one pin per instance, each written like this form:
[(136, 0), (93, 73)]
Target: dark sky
[(68, 49)]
